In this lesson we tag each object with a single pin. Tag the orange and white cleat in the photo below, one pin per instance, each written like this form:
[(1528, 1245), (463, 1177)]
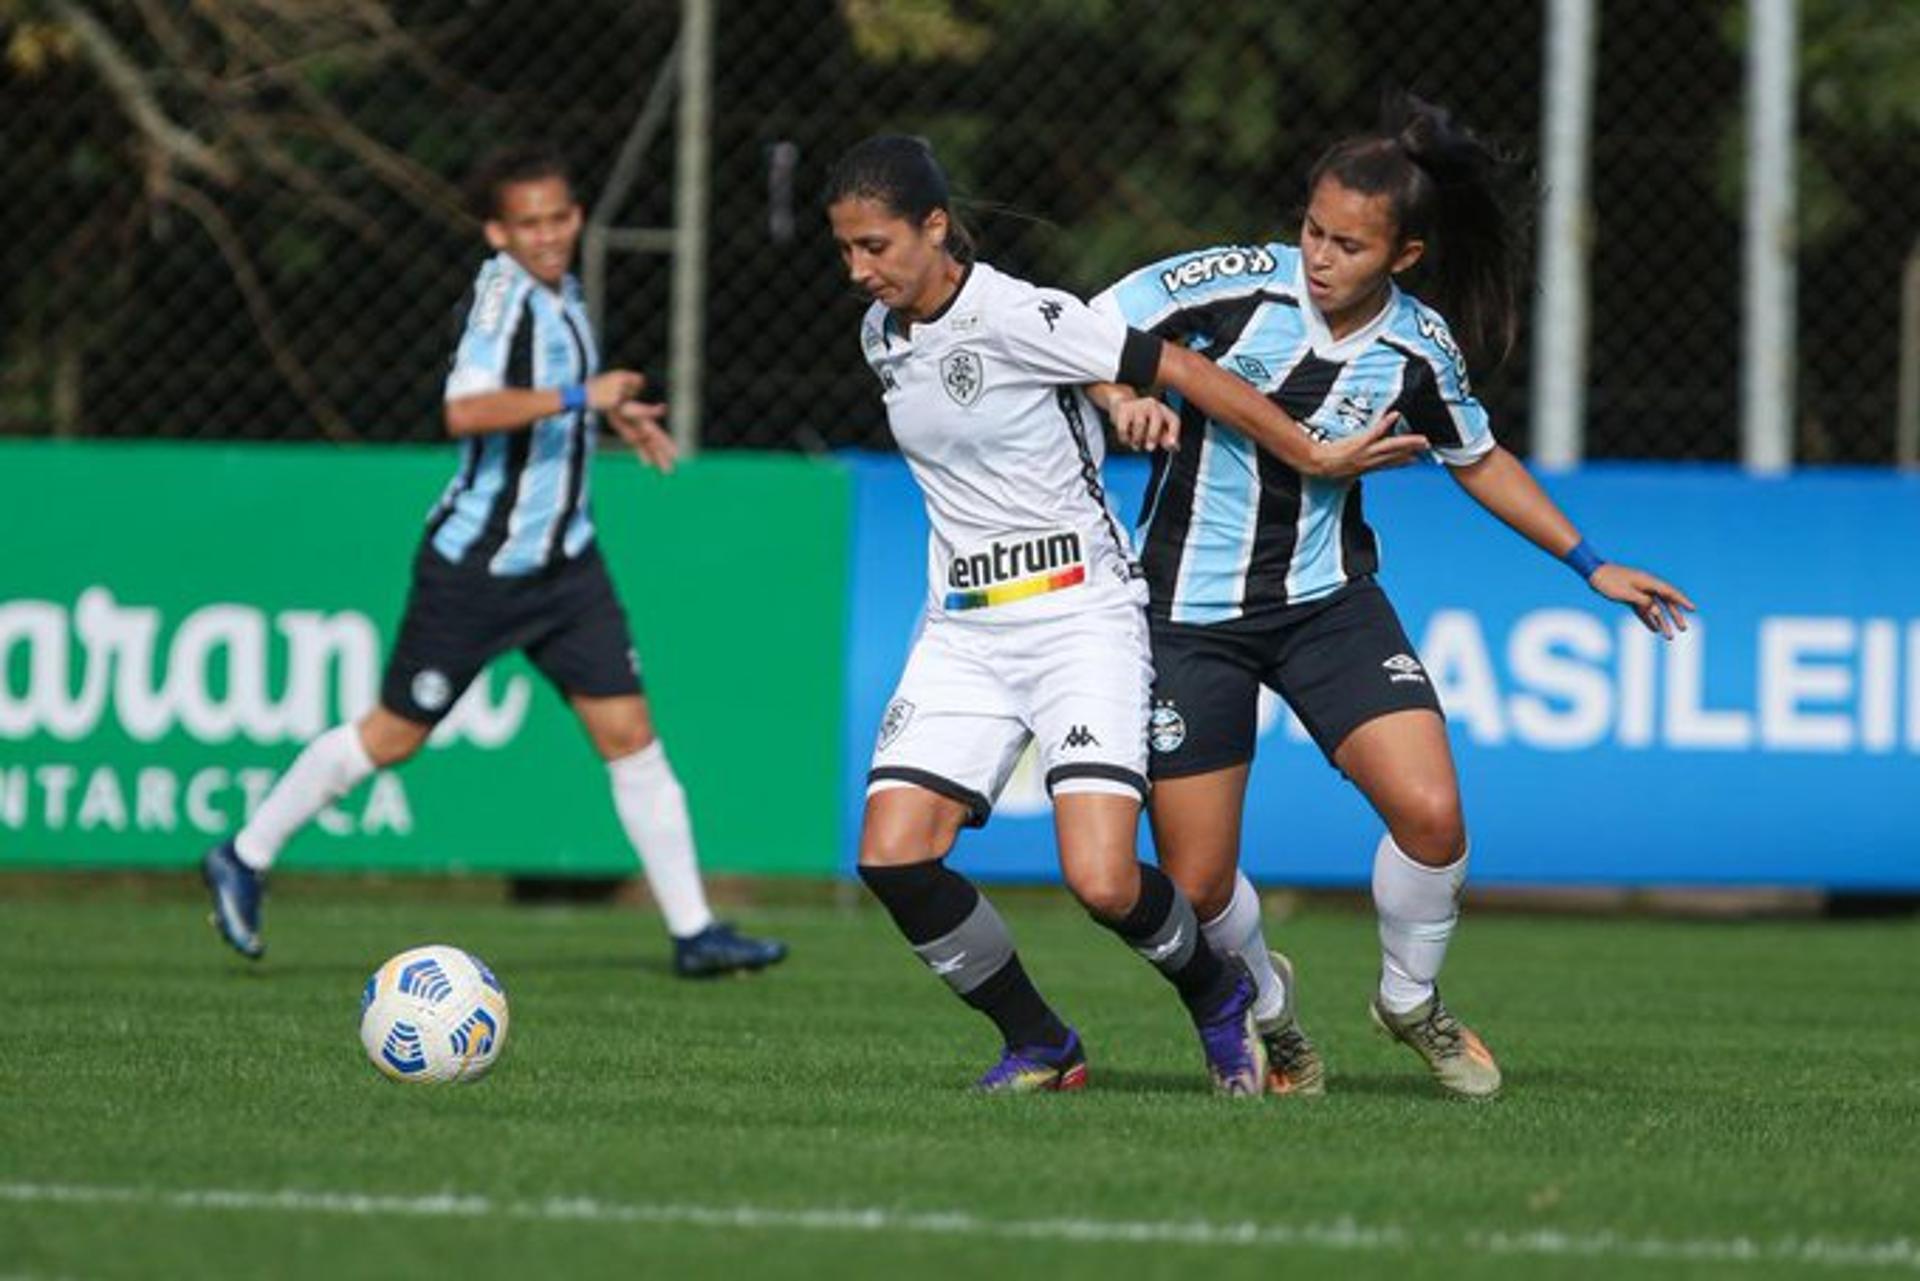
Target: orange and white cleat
[(1459, 1059), (1294, 1066)]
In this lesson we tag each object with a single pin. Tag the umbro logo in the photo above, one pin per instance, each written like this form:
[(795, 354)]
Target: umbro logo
[(1079, 736), (1404, 667), (1168, 948), (949, 965)]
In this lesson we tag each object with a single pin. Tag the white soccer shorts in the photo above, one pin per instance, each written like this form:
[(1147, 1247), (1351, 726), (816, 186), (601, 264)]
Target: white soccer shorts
[(972, 697)]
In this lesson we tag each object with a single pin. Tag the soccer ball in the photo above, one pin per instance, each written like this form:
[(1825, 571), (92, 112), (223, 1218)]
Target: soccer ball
[(435, 1015)]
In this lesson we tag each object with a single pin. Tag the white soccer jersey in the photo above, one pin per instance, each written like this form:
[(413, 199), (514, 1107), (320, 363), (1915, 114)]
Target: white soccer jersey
[(985, 402)]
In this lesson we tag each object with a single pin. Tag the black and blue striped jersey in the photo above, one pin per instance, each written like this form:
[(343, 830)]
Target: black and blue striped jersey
[(1228, 530), (519, 500)]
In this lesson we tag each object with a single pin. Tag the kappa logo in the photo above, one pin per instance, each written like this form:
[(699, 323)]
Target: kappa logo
[(964, 376), (1404, 667), (888, 381), (1079, 736), (899, 712), (1166, 728), (870, 338), (1050, 311), (1250, 260), (431, 689)]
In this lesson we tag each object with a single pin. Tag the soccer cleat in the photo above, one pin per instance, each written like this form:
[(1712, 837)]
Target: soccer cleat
[(236, 890), (719, 949), (1294, 1066), (1037, 1069), (1236, 1057), (1458, 1058)]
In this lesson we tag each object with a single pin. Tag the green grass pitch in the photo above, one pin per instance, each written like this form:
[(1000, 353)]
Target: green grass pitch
[(1683, 1099)]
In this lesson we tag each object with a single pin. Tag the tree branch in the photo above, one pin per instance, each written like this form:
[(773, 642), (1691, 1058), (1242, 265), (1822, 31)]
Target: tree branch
[(240, 263), (175, 145)]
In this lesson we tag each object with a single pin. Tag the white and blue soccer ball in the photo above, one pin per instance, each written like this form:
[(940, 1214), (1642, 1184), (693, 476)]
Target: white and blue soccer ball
[(435, 1015)]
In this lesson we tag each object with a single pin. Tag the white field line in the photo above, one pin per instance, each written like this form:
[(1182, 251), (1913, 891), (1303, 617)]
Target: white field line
[(1901, 1253)]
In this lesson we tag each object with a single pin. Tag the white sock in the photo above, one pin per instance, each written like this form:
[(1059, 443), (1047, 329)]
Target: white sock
[(1418, 907), (327, 768), (653, 809), (1236, 932)]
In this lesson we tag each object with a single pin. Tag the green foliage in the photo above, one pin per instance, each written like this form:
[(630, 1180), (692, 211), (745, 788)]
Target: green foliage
[(1859, 98), (1220, 92)]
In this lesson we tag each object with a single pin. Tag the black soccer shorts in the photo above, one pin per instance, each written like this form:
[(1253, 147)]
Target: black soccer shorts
[(566, 619), (1339, 662)]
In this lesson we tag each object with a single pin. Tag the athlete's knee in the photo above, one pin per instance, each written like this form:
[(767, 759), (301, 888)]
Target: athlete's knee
[(1430, 827), (1209, 888), (894, 836), (1108, 889), (391, 739), (619, 727), (625, 739)]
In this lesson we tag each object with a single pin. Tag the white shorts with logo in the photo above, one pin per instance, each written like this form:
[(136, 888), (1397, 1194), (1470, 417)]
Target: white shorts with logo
[(972, 697)]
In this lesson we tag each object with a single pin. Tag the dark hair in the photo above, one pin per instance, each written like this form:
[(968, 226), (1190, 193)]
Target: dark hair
[(1443, 183), (899, 173), (504, 166)]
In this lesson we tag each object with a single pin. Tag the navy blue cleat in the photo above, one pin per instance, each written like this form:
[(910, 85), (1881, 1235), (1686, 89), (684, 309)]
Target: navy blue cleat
[(719, 949), (236, 890)]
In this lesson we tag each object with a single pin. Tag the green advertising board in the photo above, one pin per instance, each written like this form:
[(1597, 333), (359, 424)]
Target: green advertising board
[(176, 620)]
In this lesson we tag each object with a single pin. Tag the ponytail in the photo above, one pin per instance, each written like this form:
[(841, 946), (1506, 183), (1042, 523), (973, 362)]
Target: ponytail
[(1444, 186)]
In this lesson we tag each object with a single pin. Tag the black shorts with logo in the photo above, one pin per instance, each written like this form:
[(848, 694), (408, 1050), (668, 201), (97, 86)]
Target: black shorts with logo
[(566, 619), (1339, 662)]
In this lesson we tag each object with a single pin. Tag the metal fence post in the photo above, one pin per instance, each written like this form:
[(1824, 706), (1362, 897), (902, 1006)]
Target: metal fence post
[(1559, 395), (688, 332), (1767, 355)]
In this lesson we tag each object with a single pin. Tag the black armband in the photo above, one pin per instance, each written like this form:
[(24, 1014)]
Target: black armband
[(1139, 360)]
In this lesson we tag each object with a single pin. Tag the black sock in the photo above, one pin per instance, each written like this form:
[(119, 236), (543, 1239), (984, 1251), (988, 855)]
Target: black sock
[(1163, 929), (955, 930), (1016, 1007)]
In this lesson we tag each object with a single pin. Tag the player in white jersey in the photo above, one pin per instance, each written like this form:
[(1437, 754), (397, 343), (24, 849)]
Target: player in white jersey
[(509, 561), (1034, 628), (1262, 577)]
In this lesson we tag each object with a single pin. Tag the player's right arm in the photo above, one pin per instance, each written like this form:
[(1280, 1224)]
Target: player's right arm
[(1227, 399), (514, 408), (488, 387), (1184, 297)]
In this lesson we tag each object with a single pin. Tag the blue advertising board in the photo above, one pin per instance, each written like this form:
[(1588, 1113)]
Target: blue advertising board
[(1777, 743)]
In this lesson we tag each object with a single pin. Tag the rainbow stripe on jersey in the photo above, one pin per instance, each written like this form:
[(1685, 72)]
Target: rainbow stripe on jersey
[(1015, 568), (1007, 593)]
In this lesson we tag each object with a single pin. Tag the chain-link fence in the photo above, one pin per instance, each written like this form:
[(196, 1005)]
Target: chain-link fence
[(242, 218)]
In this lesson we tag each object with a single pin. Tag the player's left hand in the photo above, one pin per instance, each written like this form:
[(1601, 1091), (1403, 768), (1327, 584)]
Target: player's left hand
[(1657, 604), (638, 423)]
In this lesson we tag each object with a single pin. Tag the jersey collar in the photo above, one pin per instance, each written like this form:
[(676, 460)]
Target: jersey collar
[(896, 324)]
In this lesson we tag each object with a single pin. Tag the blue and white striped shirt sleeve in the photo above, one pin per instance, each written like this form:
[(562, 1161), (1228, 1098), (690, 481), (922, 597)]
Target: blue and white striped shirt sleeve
[(1438, 400), (486, 344)]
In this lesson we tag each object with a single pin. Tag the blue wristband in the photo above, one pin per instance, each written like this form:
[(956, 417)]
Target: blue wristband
[(573, 398), (1583, 560)]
